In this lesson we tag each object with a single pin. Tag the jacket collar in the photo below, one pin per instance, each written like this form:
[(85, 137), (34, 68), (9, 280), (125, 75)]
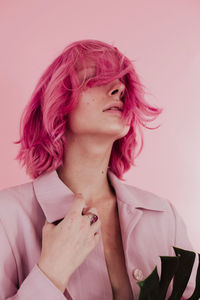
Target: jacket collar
[(55, 198)]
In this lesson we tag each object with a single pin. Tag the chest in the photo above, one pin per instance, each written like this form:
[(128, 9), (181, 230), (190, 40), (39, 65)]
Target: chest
[(114, 256)]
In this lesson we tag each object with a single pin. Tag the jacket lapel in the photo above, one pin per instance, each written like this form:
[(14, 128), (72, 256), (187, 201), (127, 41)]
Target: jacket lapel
[(132, 202), (54, 197)]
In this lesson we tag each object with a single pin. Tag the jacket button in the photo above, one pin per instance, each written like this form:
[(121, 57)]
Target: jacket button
[(137, 273)]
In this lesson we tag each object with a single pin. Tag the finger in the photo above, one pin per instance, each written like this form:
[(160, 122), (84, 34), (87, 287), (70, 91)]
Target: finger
[(90, 210), (76, 209), (95, 225), (47, 225), (90, 220), (96, 238), (78, 204), (46, 222)]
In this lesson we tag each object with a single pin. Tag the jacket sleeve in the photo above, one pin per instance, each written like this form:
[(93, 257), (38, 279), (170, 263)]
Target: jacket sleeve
[(182, 241), (35, 286)]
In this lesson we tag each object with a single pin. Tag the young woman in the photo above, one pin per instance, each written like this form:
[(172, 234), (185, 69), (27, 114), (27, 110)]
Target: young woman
[(76, 231)]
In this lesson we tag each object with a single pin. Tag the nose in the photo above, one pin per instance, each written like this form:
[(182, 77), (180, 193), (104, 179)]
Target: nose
[(117, 90)]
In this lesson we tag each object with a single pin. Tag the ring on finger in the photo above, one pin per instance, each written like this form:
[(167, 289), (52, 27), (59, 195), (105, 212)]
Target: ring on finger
[(93, 218)]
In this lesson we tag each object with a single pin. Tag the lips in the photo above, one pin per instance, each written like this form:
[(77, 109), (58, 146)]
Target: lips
[(113, 107), (117, 105)]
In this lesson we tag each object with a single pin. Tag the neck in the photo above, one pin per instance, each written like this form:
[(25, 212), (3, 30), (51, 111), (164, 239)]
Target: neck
[(85, 169)]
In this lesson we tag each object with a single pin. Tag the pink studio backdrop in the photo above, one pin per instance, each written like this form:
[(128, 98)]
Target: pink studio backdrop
[(164, 39)]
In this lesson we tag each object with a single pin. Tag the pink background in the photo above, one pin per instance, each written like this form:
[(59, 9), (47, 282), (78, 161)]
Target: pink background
[(164, 39)]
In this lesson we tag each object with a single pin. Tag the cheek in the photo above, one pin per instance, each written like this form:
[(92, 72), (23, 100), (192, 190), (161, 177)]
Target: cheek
[(82, 117), (88, 107)]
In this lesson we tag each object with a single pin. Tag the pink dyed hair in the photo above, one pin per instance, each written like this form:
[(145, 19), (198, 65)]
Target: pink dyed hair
[(44, 119)]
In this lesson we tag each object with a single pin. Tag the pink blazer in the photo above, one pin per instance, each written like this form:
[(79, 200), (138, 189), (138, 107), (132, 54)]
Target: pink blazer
[(150, 226)]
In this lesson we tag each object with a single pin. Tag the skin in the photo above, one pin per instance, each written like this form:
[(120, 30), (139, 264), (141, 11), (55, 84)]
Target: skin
[(89, 141), (90, 137)]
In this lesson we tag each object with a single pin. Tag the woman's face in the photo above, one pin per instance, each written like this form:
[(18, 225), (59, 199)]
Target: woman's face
[(89, 117)]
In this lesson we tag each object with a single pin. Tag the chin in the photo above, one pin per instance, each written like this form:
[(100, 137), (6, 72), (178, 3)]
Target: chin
[(123, 132)]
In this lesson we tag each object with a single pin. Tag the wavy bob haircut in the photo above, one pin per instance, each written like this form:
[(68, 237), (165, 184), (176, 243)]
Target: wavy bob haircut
[(45, 118)]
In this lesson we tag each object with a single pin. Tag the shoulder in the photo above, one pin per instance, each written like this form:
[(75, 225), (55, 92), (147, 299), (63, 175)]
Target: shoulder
[(15, 198), (16, 192)]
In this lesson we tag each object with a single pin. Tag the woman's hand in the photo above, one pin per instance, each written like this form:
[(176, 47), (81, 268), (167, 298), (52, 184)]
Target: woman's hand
[(66, 245)]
